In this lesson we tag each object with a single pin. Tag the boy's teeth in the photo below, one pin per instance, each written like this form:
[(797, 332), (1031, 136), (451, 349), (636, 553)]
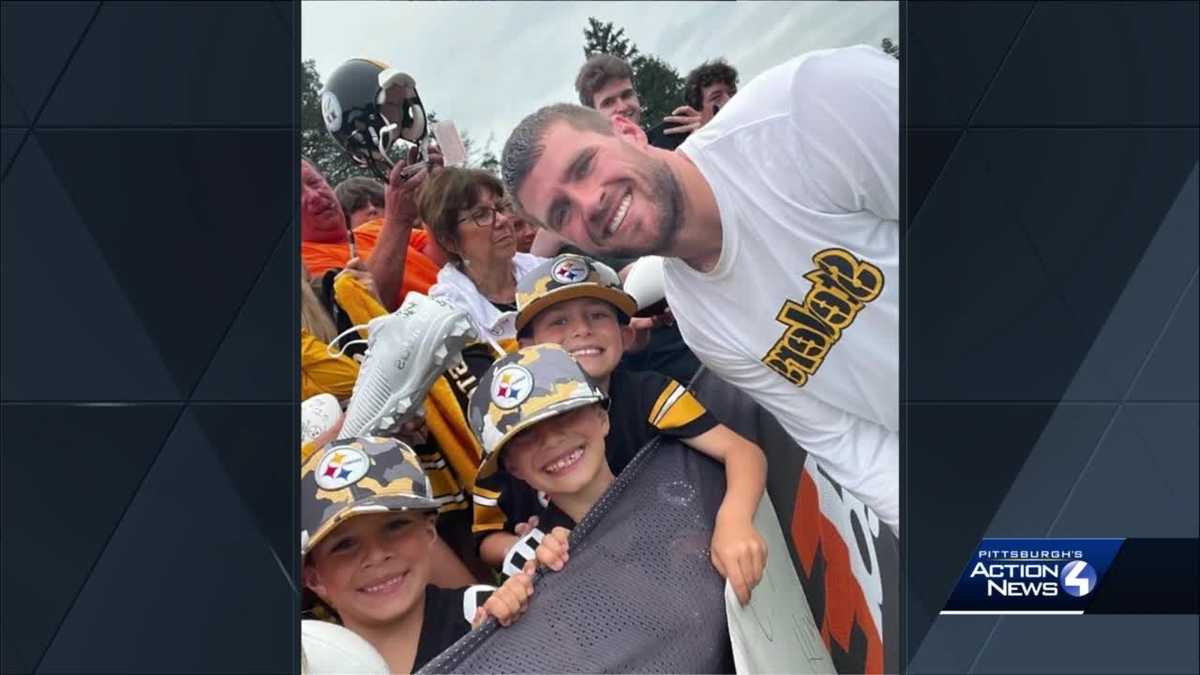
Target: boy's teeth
[(587, 351), (564, 462), (384, 585)]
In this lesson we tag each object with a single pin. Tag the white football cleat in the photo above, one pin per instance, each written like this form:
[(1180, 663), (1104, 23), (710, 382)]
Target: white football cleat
[(406, 352)]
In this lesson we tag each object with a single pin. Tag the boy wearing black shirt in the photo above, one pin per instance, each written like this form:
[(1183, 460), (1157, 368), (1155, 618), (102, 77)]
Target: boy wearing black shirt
[(368, 519), (577, 302)]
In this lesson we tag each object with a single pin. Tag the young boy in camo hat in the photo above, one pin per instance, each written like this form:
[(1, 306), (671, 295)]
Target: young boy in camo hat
[(552, 419), (368, 524)]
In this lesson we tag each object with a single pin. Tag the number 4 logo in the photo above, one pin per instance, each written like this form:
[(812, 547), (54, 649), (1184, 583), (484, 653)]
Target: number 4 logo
[(1078, 578)]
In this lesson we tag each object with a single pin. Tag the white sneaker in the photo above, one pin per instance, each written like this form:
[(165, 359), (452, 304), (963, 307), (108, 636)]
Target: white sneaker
[(406, 352)]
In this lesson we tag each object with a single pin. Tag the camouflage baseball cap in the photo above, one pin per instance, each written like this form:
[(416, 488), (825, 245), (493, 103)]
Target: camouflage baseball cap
[(354, 476), (522, 389), (566, 277)]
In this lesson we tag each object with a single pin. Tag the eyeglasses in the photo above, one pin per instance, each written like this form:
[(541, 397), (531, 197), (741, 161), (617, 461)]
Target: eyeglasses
[(485, 216)]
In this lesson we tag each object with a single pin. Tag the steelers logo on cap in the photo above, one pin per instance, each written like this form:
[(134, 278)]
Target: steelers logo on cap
[(342, 466), (569, 269), (511, 386)]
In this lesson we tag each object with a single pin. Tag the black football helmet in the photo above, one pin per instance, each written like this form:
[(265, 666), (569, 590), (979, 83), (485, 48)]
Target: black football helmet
[(367, 107)]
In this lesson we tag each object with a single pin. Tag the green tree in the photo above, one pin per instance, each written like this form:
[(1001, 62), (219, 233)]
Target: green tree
[(659, 88), (601, 38), (315, 142), (889, 47)]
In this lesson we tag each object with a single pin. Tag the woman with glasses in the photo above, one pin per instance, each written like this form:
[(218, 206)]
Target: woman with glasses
[(468, 214)]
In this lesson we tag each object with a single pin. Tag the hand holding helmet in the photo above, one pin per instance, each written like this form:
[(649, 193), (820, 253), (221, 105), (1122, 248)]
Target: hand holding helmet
[(404, 183)]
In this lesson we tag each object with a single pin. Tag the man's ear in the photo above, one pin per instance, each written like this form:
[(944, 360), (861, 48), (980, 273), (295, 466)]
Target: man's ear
[(628, 131)]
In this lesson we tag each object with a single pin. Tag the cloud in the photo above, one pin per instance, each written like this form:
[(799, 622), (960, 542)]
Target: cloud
[(485, 65)]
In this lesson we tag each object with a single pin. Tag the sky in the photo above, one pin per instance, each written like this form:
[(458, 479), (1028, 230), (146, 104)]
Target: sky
[(485, 65)]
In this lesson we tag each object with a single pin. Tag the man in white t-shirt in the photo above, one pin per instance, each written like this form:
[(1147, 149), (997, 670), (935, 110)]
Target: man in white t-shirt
[(779, 222)]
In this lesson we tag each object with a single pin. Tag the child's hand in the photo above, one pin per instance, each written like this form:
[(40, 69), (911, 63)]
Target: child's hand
[(552, 552), (523, 528), (739, 553), (508, 603)]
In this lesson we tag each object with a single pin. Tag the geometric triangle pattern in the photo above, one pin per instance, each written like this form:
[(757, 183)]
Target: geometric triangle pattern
[(1098, 468), (184, 562), (1109, 75), (189, 245), (1134, 326), (11, 113), (965, 464), (1166, 377), (1051, 310), (70, 473), (952, 52), (245, 441), (1124, 645), (257, 358), (38, 41), (68, 302), (972, 316), (10, 140), (1130, 487), (1168, 436), (1047, 301), (1037, 493), (928, 151), (148, 181), (197, 81)]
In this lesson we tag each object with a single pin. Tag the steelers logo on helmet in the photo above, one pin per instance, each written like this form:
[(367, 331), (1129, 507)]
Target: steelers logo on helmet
[(511, 385), (569, 269), (331, 111), (341, 466)]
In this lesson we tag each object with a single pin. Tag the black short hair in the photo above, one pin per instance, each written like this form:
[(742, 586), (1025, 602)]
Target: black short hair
[(707, 74)]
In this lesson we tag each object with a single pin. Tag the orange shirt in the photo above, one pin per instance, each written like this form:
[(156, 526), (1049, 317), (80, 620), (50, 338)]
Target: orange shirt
[(419, 271)]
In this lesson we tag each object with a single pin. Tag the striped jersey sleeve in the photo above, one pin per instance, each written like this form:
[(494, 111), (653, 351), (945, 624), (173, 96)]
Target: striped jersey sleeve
[(675, 408)]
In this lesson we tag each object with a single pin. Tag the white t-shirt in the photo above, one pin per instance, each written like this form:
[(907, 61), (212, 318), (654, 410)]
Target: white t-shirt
[(802, 309)]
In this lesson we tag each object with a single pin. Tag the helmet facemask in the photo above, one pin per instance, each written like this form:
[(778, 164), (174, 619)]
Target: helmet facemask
[(367, 107), (403, 118)]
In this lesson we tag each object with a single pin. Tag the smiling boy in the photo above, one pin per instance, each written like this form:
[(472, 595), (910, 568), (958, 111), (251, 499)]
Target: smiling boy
[(571, 459), (368, 528)]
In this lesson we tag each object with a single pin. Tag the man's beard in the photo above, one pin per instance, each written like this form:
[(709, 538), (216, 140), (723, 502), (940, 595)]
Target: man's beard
[(666, 194)]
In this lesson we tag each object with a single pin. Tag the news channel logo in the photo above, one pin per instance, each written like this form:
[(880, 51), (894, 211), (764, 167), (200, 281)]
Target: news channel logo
[(1032, 576), (1078, 578)]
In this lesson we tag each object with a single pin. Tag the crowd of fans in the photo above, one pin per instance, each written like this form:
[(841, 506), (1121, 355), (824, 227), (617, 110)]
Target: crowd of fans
[(475, 375)]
